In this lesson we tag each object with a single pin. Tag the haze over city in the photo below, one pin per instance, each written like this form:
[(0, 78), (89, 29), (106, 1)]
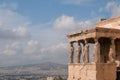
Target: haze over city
[(35, 31)]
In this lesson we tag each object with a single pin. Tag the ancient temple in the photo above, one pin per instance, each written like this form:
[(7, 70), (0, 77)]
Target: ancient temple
[(105, 38)]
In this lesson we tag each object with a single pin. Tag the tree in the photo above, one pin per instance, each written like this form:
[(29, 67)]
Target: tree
[(59, 78)]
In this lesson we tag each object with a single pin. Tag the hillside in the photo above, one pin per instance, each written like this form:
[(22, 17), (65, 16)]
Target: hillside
[(48, 68)]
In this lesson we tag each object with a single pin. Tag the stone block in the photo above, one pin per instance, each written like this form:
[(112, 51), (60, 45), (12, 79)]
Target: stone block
[(92, 71)]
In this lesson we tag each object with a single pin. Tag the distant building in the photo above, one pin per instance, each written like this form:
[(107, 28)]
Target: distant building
[(50, 78)]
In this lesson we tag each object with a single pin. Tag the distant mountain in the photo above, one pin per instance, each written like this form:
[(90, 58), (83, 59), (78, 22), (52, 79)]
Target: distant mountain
[(50, 66), (47, 68)]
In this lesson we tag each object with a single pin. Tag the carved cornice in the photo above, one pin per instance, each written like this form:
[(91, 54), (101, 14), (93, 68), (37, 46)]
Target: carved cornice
[(95, 32)]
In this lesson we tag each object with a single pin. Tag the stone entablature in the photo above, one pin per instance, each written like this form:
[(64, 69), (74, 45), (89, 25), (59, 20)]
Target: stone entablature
[(93, 33)]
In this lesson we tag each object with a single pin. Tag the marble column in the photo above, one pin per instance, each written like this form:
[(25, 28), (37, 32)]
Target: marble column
[(78, 51), (71, 52), (86, 52), (96, 54), (112, 52)]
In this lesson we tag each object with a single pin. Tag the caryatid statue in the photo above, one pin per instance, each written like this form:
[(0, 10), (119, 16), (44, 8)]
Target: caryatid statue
[(86, 52), (96, 54), (112, 51), (78, 51), (71, 52)]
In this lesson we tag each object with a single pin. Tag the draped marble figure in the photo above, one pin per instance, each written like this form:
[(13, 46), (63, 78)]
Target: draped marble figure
[(86, 52), (71, 52), (112, 51), (96, 54), (78, 51)]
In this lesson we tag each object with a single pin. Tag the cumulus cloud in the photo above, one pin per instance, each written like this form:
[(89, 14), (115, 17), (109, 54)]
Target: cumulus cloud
[(31, 52), (68, 23), (14, 34), (12, 24), (53, 49), (18, 48), (10, 49), (21, 32), (56, 53), (32, 47), (65, 22)]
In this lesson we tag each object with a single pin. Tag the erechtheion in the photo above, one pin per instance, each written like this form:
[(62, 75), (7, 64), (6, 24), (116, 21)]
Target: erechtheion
[(105, 37)]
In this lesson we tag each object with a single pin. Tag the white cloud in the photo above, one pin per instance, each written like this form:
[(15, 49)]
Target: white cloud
[(32, 47), (12, 24), (56, 53), (10, 19), (110, 5), (18, 48), (21, 32), (53, 49), (116, 11), (65, 22), (14, 34), (10, 49), (14, 27), (113, 8), (68, 23)]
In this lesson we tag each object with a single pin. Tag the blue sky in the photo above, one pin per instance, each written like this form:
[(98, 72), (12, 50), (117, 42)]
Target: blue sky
[(34, 31)]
